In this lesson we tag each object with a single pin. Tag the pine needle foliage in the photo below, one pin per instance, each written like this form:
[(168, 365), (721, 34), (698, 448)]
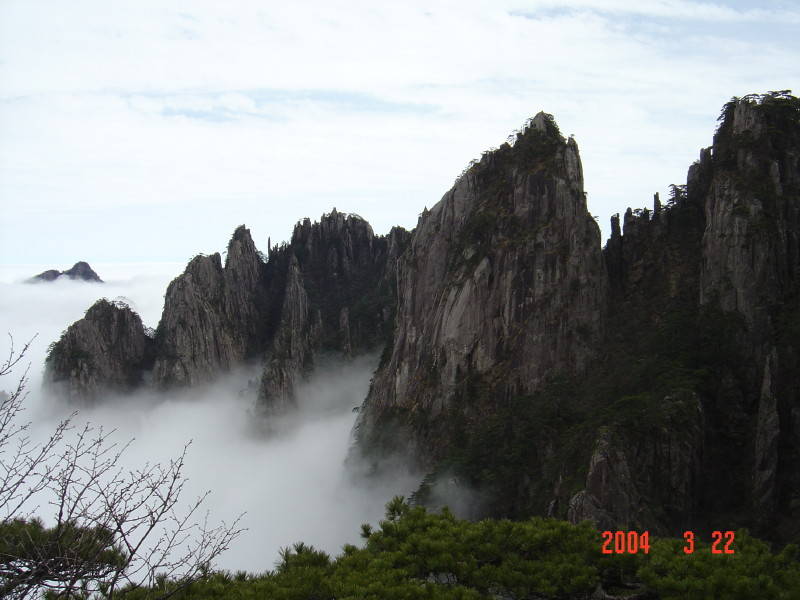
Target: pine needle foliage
[(417, 554)]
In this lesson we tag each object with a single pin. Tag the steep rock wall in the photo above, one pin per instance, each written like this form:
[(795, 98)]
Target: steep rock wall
[(653, 386), (503, 283), (751, 267), (709, 286), (213, 316), (339, 297)]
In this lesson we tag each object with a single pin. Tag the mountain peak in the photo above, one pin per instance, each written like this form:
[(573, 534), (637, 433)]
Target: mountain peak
[(80, 271)]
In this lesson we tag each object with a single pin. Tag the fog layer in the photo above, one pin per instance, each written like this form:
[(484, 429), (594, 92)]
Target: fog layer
[(292, 484)]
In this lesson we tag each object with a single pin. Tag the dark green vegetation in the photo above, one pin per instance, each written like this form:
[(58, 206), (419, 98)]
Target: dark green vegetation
[(32, 555), (418, 554)]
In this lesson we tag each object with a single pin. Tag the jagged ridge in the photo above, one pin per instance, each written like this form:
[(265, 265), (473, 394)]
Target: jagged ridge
[(648, 384), (332, 288), (662, 397)]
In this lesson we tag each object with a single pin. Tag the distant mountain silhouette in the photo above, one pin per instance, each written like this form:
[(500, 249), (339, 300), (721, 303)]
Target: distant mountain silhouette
[(80, 270)]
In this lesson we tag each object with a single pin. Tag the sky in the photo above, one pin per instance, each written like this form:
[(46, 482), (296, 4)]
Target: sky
[(147, 131)]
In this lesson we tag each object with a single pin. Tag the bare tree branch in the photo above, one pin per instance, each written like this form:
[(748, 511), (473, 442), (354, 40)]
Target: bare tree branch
[(114, 529)]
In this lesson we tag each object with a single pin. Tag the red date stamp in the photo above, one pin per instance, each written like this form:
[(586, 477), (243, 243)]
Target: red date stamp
[(633, 542), (717, 546), (626, 542)]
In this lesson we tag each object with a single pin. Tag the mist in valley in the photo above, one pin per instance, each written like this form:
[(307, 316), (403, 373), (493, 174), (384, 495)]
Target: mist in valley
[(291, 483)]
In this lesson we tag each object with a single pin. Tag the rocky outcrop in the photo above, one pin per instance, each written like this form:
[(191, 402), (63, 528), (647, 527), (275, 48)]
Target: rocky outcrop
[(751, 245), (291, 355), (213, 316), (339, 297), (610, 497), (503, 284), (80, 271), (49, 275), (108, 350), (331, 289), (664, 368), (646, 481), (709, 284), (751, 269)]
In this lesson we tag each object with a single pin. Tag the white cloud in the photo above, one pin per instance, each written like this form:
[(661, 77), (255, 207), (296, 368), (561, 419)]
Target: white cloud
[(178, 123), (293, 486), (672, 9)]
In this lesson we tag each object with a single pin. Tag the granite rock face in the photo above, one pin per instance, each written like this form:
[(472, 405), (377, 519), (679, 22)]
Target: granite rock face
[(751, 268), (610, 497), (339, 296), (652, 384), (331, 289), (291, 354), (213, 317), (108, 350), (750, 244), (79, 271), (503, 283)]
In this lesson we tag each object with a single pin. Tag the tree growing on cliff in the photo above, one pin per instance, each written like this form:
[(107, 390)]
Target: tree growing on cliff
[(677, 193), (111, 529)]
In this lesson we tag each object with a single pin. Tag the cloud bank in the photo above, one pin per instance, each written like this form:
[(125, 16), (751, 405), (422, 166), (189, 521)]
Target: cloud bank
[(124, 125), (292, 485)]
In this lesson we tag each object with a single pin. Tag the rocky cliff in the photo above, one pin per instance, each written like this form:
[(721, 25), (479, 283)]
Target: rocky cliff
[(649, 385), (330, 289), (214, 316), (709, 288), (108, 350), (503, 284), (339, 296)]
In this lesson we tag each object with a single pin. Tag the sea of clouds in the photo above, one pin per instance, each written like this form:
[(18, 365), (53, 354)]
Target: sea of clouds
[(292, 484)]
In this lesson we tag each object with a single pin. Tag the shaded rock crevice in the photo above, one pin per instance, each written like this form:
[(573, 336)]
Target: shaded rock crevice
[(338, 297)]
